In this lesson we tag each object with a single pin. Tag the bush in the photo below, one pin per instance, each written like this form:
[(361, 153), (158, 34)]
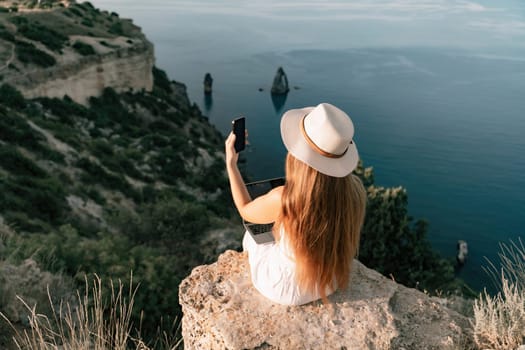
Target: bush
[(11, 97), (28, 53), (5, 34), (395, 246), (27, 280), (41, 198), (65, 109), (499, 321), (75, 11), (50, 38), (87, 22), (83, 48), (15, 130), (116, 28), (13, 161), (161, 80), (112, 255), (61, 131), (108, 110), (95, 174)]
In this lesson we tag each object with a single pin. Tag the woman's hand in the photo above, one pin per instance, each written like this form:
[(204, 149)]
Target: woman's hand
[(229, 147)]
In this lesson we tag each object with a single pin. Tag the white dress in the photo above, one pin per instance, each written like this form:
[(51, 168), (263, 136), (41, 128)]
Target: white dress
[(272, 268)]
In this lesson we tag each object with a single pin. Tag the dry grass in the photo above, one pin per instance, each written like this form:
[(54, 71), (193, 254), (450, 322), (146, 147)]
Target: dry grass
[(499, 321), (91, 324)]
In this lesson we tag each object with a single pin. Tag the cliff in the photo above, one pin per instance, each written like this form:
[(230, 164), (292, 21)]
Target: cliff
[(222, 310), (125, 69), (75, 50)]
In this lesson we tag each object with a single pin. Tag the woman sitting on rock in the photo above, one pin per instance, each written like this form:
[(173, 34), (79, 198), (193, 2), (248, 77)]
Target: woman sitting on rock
[(318, 213)]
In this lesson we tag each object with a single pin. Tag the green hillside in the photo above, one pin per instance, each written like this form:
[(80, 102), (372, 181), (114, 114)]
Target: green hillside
[(134, 182)]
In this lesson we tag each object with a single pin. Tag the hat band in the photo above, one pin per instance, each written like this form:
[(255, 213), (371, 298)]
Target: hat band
[(316, 148)]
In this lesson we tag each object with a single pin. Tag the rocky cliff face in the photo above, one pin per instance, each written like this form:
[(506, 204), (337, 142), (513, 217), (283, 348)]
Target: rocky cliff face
[(125, 69), (73, 49), (222, 310)]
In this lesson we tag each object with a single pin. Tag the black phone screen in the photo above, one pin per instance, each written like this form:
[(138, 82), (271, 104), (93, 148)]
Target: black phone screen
[(239, 129)]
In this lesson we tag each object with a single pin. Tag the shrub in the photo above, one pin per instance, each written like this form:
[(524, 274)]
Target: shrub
[(95, 174), (5, 34), (29, 281), (13, 161), (13, 67), (64, 108), (41, 198), (75, 11), (83, 48), (11, 97), (116, 28), (61, 131), (106, 44), (87, 22), (18, 20), (21, 222), (153, 104), (112, 256), (28, 53), (108, 109), (395, 246), (499, 321), (50, 38)]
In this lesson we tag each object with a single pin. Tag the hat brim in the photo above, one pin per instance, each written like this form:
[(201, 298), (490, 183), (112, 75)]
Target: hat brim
[(296, 144)]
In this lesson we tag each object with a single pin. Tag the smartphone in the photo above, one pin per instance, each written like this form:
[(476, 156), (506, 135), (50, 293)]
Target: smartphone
[(239, 129)]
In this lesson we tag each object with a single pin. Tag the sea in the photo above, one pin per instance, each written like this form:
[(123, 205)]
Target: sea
[(435, 88)]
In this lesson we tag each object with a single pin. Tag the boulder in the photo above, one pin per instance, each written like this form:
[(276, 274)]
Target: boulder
[(222, 310)]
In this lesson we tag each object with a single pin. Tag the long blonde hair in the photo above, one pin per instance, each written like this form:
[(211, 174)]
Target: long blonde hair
[(322, 218)]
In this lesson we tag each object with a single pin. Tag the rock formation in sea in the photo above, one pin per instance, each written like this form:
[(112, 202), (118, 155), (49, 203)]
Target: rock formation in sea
[(222, 310), (280, 82), (208, 81)]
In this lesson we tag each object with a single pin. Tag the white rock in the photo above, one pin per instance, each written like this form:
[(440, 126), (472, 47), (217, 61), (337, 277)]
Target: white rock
[(222, 310)]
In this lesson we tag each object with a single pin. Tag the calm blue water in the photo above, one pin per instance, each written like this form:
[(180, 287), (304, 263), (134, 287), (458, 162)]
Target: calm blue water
[(436, 90)]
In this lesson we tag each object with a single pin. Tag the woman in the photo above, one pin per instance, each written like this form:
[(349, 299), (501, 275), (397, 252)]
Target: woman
[(318, 213)]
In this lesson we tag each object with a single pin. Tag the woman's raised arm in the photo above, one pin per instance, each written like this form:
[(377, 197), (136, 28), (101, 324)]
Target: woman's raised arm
[(264, 209)]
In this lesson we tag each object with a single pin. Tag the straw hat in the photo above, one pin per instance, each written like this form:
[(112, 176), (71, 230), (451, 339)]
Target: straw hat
[(321, 137)]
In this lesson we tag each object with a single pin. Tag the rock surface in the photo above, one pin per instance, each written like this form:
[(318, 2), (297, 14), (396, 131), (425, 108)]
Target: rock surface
[(222, 310)]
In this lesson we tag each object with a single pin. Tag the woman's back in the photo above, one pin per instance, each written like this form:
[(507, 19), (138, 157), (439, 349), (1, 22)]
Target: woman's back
[(318, 213)]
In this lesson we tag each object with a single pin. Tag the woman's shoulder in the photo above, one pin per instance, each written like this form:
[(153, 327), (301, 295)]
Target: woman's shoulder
[(277, 191)]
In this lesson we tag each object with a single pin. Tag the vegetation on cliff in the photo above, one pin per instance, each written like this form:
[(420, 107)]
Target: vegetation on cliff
[(41, 38), (122, 185), (499, 320), (396, 246)]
